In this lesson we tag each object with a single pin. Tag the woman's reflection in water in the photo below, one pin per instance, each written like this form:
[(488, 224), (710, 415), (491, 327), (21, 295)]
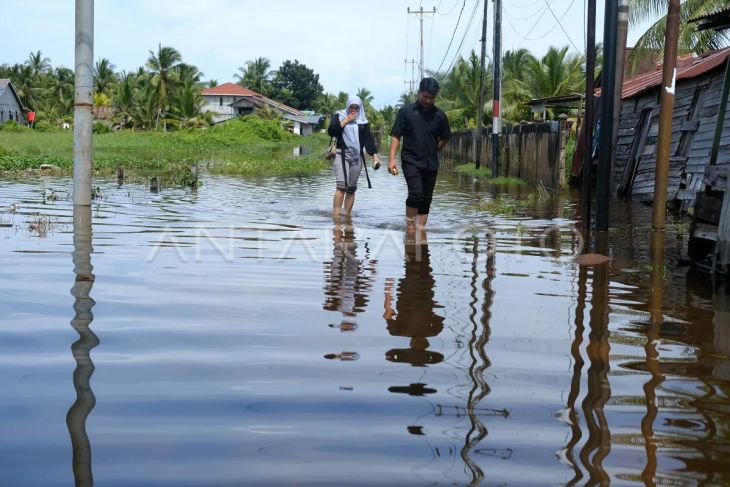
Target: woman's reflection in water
[(81, 348), (414, 315), (348, 280)]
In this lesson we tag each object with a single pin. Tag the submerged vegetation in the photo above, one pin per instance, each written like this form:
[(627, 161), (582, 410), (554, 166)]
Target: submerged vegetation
[(485, 173)]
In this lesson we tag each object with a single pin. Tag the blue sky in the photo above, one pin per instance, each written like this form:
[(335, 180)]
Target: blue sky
[(349, 44)]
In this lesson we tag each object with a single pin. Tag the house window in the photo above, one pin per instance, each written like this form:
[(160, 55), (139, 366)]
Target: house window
[(220, 101)]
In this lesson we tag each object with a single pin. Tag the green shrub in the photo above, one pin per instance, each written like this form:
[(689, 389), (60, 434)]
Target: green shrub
[(101, 128)]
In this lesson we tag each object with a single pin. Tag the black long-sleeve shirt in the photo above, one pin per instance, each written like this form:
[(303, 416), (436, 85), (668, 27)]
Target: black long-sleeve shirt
[(367, 141)]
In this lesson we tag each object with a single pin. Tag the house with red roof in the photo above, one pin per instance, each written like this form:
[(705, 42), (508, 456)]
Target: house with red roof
[(699, 131), (230, 100)]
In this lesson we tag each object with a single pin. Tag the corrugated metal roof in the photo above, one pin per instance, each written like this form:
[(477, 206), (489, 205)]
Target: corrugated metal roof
[(688, 66), (5, 84), (717, 12)]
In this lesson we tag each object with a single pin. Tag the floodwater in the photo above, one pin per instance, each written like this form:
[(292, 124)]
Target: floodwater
[(236, 335)]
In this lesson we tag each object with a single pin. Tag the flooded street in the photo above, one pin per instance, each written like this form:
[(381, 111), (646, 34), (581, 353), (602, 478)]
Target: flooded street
[(236, 335)]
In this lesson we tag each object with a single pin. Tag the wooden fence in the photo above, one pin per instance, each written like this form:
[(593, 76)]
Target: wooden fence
[(534, 152)]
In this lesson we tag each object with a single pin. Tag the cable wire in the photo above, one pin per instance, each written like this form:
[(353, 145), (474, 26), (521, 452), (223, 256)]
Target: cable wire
[(560, 23), (466, 32), (452, 36)]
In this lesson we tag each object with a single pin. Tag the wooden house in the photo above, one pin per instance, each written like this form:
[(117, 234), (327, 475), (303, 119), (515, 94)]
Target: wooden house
[(11, 108), (697, 115)]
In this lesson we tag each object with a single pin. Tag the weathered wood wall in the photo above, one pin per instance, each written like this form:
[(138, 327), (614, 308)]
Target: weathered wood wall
[(533, 152), (696, 107)]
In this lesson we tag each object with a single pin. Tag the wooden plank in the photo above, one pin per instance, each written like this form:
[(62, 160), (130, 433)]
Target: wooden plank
[(705, 231), (707, 209), (716, 177)]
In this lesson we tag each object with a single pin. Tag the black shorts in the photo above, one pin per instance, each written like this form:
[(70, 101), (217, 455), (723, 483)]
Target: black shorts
[(420, 187)]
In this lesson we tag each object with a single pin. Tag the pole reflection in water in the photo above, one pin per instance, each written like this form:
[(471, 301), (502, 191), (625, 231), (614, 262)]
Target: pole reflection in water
[(81, 348), (479, 361), (598, 445), (348, 281), (575, 430), (656, 300)]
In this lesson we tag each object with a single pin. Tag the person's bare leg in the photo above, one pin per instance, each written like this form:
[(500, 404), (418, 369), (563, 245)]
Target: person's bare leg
[(337, 200), (349, 202), (411, 215), (422, 219)]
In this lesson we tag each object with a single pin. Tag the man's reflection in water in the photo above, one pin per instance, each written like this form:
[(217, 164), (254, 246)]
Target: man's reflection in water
[(348, 280), (414, 315), (85, 401)]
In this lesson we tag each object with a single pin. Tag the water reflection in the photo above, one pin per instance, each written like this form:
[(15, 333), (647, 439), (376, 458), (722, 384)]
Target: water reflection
[(348, 280), (414, 315), (598, 444), (81, 348), (479, 362)]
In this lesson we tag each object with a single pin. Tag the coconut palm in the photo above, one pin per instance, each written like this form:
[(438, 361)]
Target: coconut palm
[(690, 40), (188, 102), (255, 75), (37, 63), (327, 105), (515, 92), (104, 76), (460, 89), (162, 67), (557, 73), (365, 95)]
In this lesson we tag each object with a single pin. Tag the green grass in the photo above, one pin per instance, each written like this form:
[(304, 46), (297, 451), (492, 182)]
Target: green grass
[(248, 147), (470, 169)]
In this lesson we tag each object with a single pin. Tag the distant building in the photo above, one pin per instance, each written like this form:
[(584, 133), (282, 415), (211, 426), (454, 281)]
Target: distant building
[(230, 100), (11, 108)]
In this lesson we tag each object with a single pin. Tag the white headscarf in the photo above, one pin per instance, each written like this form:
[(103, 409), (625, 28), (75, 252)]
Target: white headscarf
[(351, 132)]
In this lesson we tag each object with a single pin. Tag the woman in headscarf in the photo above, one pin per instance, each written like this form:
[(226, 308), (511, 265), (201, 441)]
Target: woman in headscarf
[(352, 130)]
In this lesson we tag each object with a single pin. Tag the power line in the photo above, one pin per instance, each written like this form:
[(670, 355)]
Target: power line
[(466, 32), (452, 35), (560, 24), (450, 10)]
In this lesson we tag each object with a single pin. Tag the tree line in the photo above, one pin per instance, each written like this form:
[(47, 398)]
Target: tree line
[(165, 92)]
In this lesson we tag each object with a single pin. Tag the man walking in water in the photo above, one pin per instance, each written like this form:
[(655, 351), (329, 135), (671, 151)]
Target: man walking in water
[(426, 131)]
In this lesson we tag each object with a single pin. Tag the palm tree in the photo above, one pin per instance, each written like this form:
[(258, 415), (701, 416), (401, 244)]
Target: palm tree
[(162, 67), (515, 92), (104, 76), (327, 105), (188, 72), (365, 95), (557, 73), (388, 113), (690, 40), (212, 83), (461, 88), (37, 63), (255, 74), (188, 103)]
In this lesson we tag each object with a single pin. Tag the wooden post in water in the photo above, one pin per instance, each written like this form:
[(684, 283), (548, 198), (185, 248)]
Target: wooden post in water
[(608, 87), (83, 101), (666, 109), (588, 123)]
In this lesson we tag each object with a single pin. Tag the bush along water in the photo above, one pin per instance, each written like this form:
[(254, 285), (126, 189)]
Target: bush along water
[(247, 146)]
